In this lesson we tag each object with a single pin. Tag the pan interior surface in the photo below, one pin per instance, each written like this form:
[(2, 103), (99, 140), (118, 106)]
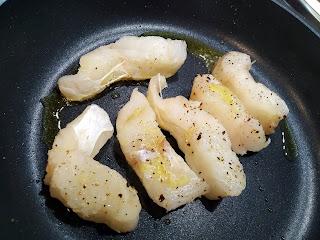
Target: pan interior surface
[(281, 197)]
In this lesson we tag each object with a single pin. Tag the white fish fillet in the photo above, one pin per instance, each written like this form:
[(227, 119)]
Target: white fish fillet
[(129, 58), (232, 69), (245, 132), (168, 180), (203, 140), (92, 190)]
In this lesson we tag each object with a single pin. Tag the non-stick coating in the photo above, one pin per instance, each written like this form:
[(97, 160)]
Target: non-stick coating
[(42, 40)]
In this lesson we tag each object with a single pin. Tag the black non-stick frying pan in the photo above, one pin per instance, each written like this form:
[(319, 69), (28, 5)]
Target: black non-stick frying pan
[(42, 40)]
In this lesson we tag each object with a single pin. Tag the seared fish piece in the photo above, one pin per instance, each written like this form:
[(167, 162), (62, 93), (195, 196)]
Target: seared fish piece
[(129, 58), (168, 180)]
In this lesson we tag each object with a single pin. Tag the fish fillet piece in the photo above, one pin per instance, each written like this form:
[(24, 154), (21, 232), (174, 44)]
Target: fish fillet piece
[(232, 69), (129, 58), (202, 139), (92, 190), (168, 180), (95, 192), (245, 132)]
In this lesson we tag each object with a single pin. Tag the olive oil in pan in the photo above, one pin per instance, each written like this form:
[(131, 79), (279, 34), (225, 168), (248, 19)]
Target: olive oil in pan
[(208, 54), (288, 142), (53, 104)]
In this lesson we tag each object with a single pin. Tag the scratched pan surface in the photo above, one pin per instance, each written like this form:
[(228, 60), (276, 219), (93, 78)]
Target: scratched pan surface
[(42, 40)]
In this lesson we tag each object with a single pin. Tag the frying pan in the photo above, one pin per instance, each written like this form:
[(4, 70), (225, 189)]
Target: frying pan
[(43, 40)]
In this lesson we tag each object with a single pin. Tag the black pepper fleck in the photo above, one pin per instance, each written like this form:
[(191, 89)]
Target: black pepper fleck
[(161, 198), (199, 136)]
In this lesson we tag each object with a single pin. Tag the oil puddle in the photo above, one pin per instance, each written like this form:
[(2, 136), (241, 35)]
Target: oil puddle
[(53, 104), (289, 145)]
